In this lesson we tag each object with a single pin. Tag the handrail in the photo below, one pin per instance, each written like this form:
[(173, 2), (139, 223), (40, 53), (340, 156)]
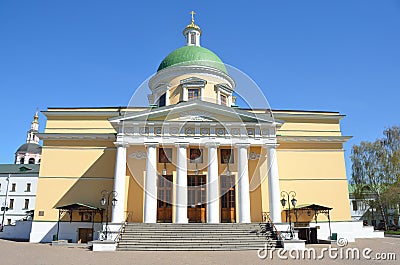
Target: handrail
[(117, 238), (267, 218)]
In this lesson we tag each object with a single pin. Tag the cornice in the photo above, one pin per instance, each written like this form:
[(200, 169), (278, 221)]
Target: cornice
[(310, 139), (76, 136), (175, 71)]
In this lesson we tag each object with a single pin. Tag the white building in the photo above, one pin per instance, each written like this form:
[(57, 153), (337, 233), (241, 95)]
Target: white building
[(18, 185), (18, 182)]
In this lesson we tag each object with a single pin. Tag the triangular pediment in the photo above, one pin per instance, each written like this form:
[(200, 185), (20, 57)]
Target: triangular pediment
[(195, 111)]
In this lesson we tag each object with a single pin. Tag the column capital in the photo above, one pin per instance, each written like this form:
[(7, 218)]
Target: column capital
[(151, 144), (242, 145), (182, 144), (212, 144), (121, 144)]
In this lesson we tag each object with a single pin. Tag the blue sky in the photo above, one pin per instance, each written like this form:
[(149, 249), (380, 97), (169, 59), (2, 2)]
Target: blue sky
[(340, 55)]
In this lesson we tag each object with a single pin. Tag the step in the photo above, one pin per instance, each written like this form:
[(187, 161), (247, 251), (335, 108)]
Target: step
[(177, 236), (194, 236)]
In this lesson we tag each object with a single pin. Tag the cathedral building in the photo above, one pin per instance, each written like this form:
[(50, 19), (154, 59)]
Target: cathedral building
[(192, 156)]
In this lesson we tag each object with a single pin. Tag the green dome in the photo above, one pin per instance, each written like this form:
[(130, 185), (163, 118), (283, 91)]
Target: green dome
[(192, 55)]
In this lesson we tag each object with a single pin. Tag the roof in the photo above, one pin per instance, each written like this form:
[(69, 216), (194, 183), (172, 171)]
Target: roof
[(192, 55), (77, 206), (312, 206), (31, 148), (19, 169), (127, 108)]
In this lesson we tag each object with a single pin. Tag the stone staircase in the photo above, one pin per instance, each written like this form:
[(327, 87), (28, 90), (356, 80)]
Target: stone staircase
[(196, 236)]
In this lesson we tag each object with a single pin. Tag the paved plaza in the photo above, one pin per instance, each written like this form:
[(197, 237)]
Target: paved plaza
[(23, 253)]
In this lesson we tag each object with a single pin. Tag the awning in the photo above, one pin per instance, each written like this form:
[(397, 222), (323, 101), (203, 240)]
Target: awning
[(314, 207), (80, 208), (77, 206)]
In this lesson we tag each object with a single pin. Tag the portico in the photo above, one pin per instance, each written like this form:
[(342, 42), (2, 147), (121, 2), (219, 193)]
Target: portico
[(197, 171)]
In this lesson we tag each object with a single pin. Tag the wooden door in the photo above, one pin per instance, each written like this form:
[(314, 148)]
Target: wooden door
[(228, 199), (164, 199), (85, 235), (197, 198)]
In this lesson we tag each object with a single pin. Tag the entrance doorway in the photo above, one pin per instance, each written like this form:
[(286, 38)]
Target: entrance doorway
[(164, 199), (85, 235), (196, 198), (228, 199)]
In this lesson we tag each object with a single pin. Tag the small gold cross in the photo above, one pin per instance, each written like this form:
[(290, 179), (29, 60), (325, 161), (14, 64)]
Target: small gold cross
[(193, 13)]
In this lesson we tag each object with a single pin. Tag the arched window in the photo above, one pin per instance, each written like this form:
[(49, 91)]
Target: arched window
[(22, 160), (162, 100), (31, 161)]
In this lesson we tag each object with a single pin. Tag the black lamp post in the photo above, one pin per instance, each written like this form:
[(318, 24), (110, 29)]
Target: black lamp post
[(293, 201), (106, 198), (4, 208)]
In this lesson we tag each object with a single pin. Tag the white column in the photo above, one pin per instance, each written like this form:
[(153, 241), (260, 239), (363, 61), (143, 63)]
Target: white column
[(213, 209), (181, 184), (26, 159), (118, 214), (243, 184), (150, 186), (273, 184)]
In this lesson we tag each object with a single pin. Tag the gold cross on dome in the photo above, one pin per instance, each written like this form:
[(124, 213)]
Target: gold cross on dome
[(192, 13)]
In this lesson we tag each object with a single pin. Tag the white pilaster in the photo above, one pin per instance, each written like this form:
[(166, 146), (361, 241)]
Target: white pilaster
[(150, 187), (213, 209), (243, 184), (273, 184), (181, 184), (119, 183)]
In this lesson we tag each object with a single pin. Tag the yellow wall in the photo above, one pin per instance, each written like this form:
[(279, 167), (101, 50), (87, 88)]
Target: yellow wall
[(317, 176), (72, 172)]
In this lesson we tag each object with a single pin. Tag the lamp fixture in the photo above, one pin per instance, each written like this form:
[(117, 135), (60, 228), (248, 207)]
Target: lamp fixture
[(228, 171), (197, 169), (164, 171)]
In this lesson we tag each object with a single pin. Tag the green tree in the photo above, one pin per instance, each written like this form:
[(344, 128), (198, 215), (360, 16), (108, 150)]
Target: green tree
[(375, 170)]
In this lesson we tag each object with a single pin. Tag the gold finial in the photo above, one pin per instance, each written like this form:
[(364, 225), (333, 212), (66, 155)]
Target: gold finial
[(192, 25), (192, 13), (36, 117)]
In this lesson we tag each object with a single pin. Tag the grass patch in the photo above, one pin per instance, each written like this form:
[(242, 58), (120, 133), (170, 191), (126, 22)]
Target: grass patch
[(391, 232)]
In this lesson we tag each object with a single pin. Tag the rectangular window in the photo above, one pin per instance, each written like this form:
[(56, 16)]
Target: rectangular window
[(223, 99), (8, 221), (193, 93), (193, 38), (164, 155), (28, 187), (11, 205), (26, 205), (227, 156), (196, 155), (13, 187)]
